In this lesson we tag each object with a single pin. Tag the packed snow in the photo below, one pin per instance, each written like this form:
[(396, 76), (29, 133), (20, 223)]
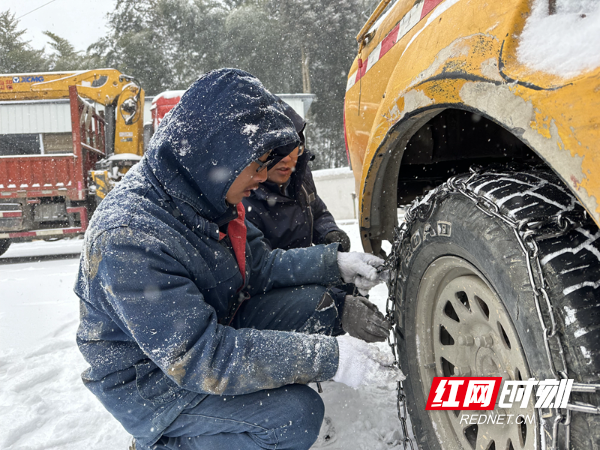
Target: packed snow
[(566, 43), (43, 403)]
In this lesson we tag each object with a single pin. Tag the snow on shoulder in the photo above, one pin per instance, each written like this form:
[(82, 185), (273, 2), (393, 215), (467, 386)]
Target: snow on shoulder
[(566, 43)]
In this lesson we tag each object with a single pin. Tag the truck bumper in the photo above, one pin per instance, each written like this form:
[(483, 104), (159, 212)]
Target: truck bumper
[(11, 219)]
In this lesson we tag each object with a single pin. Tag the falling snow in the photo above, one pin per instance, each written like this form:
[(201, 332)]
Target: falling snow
[(45, 404)]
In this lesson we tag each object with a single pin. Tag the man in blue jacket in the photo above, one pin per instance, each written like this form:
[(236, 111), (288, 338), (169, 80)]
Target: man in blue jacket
[(196, 334), (287, 208)]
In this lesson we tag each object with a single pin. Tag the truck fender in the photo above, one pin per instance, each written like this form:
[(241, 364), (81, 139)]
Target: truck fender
[(466, 75)]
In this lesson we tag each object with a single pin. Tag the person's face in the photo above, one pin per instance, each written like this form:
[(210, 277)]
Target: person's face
[(247, 181), (281, 172)]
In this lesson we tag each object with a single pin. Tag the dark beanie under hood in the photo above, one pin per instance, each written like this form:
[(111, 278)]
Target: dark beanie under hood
[(224, 121)]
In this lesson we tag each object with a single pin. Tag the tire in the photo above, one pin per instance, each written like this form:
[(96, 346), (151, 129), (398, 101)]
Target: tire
[(464, 275), (4, 244)]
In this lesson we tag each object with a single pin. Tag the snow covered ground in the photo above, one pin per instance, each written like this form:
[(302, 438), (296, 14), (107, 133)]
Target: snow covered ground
[(43, 404)]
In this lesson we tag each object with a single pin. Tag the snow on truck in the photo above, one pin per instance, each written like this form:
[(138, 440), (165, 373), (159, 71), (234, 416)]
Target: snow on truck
[(481, 120), (60, 155)]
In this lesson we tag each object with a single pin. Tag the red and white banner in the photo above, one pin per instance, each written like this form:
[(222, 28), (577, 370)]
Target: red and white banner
[(413, 17)]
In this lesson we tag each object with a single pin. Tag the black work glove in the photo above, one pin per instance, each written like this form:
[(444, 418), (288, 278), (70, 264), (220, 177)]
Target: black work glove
[(361, 319), (340, 237)]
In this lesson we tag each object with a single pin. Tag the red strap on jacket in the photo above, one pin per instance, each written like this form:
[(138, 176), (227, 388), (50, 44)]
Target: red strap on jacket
[(236, 230)]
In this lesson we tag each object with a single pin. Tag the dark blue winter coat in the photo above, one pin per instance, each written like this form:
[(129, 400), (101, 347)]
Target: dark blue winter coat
[(154, 287), (295, 219)]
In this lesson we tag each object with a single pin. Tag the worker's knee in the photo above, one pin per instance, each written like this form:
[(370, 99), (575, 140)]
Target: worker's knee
[(305, 410), (326, 315)]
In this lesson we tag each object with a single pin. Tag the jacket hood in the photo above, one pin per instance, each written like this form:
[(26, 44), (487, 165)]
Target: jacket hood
[(297, 120), (223, 122)]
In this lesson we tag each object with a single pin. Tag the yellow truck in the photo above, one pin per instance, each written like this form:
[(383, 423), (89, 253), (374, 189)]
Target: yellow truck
[(59, 152), (478, 124)]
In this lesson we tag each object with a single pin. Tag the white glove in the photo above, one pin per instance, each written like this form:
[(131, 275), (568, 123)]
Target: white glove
[(360, 269), (362, 364)]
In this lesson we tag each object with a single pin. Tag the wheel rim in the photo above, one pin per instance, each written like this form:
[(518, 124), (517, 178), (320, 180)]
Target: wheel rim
[(463, 329)]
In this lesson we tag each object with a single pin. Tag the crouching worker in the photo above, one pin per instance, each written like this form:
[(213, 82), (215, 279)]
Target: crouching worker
[(287, 208), (197, 335), (288, 211)]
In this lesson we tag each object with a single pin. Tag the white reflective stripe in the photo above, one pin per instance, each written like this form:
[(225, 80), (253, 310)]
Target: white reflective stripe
[(48, 232), (412, 18), (373, 57), (351, 80)]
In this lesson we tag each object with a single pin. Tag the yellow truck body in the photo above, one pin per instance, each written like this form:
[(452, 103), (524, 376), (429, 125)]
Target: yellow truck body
[(461, 54), (488, 277)]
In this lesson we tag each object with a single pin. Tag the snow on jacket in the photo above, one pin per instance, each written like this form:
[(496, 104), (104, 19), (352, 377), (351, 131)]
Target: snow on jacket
[(155, 282), (295, 219)]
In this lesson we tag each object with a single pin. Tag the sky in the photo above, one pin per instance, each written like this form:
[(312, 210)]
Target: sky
[(81, 22)]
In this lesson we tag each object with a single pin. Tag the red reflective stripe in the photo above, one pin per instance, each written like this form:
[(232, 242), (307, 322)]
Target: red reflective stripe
[(410, 20), (389, 41), (11, 214), (345, 136), (23, 234), (45, 232), (428, 6), (361, 71)]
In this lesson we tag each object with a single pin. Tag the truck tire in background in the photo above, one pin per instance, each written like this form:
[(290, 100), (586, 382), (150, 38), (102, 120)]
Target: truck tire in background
[(4, 244), (467, 308)]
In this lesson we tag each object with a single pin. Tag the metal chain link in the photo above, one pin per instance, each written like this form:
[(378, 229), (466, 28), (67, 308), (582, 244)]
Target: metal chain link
[(527, 232), (392, 264)]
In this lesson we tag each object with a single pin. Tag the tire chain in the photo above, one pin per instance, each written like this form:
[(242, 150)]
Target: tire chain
[(528, 232)]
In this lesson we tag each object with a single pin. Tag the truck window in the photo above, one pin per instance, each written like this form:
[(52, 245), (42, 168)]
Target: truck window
[(35, 144), (57, 143), (19, 144)]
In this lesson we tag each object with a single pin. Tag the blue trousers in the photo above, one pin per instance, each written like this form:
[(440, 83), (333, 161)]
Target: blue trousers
[(289, 417)]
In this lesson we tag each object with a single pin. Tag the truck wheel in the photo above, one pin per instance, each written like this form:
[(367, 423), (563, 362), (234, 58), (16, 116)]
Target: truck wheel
[(465, 307), (4, 244)]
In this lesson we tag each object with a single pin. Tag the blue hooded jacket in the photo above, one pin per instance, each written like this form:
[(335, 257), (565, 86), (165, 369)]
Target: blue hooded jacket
[(156, 283)]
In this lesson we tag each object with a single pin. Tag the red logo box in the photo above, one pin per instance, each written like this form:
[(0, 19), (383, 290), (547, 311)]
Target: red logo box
[(463, 393)]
